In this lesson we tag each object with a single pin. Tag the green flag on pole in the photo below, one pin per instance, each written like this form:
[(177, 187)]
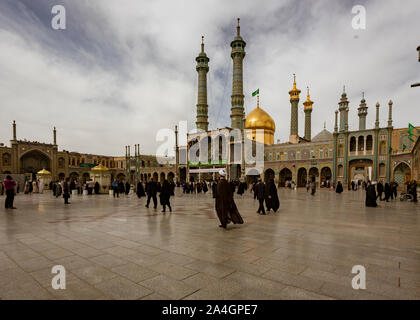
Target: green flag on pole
[(410, 129), (256, 92), (404, 147)]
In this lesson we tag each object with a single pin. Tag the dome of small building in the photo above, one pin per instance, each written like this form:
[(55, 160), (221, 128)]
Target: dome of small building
[(100, 167), (324, 135)]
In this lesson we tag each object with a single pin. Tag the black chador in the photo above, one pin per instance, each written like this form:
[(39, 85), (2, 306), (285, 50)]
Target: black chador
[(140, 190), (225, 205), (370, 195), (272, 199)]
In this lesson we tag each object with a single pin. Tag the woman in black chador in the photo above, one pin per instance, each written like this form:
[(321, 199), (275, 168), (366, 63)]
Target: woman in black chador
[(370, 195), (272, 199), (165, 194), (339, 187), (96, 187), (140, 190), (226, 209)]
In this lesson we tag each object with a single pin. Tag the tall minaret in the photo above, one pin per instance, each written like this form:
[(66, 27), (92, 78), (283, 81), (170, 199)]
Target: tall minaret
[(362, 112), (14, 130), (294, 101), (202, 107), (343, 108), (308, 110), (237, 98)]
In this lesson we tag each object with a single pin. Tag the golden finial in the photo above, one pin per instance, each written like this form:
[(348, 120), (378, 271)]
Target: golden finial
[(258, 101), (294, 93), (308, 103)]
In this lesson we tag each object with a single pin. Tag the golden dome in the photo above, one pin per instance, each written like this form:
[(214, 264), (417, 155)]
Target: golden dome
[(258, 119)]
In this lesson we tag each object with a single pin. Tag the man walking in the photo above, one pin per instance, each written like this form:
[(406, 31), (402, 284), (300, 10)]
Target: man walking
[(260, 191), (380, 189), (151, 190), (9, 185), (115, 188)]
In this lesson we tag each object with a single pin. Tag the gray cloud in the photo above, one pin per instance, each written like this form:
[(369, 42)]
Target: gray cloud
[(123, 70)]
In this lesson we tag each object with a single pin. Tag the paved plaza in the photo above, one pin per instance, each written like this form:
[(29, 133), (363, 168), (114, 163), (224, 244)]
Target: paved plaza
[(118, 249)]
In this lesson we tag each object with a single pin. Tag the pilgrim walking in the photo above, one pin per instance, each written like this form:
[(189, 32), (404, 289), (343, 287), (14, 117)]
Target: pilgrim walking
[(225, 205)]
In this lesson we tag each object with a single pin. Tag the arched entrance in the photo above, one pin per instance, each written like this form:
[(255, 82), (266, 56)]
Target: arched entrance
[(34, 161), (61, 176), (360, 169), (301, 177), (155, 177), (85, 177), (162, 177), (171, 177), (402, 173), (325, 176), (284, 175), (74, 176), (268, 175), (314, 172)]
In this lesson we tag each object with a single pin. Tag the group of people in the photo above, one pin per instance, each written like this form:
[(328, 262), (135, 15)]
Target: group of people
[(383, 191), (120, 187), (268, 193)]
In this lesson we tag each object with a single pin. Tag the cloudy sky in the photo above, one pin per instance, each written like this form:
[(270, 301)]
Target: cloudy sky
[(122, 70)]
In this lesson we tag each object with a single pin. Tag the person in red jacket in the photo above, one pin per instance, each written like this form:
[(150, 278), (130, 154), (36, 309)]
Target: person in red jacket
[(9, 185)]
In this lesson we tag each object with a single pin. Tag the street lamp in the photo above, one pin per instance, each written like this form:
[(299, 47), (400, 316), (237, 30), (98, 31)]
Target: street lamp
[(418, 83)]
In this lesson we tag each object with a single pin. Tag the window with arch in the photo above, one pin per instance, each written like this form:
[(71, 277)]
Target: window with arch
[(352, 144), (61, 163), (361, 143), (6, 160), (369, 143)]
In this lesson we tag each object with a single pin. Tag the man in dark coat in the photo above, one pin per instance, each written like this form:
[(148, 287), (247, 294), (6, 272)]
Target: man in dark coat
[(165, 195), (140, 190), (414, 190), (272, 200), (380, 189), (152, 190), (213, 189), (127, 188), (225, 205), (260, 190), (394, 187), (121, 186), (66, 191), (205, 188), (370, 195), (388, 191), (339, 187)]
